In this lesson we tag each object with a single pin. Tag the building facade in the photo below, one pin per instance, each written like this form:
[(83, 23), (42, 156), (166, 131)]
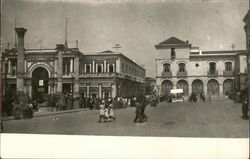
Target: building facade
[(63, 70), (179, 65), (109, 74)]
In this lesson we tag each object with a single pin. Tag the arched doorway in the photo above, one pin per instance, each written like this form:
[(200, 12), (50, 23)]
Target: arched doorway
[(40, 79), (197, 86), (182, 84), (166, 86), (228, 86), (213, 87)]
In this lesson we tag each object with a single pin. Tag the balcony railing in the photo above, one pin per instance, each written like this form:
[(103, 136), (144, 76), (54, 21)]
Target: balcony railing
[(228, 73), (166, 74), (212, 73), (182, 74), (91, 75)]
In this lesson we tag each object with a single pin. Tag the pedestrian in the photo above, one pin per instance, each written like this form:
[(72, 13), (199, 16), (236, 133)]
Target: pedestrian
[(244, 107), (102, 112), (140, 108), (138, 117), (111, 111), (106, 111), (35, 106)]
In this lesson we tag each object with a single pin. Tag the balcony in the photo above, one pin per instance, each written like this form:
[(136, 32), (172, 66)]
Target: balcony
[(181, 74), (228, 73), (98, 75), (212, 73), (166, 74)]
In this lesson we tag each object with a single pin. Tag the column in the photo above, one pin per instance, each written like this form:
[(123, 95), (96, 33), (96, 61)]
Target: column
[(55, 88), (56, 64), (189, 90), (221, 90), (9, 66), (108, 67), (87, 90), (96, 68), (49, 89), (90, 66), (30, 91), (205, 89), (100, 90), (113, 90), (25, 66), (114, 68), (84, 68), (104, 66), (118, 65), (71, 65), (20, 59), (93, 66), (59, 72)]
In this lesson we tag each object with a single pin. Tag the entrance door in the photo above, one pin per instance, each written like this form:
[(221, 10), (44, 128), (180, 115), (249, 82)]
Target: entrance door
[(213, 87), (197, 86), (40, 78), (228, 86), (182, 84), (166, 87)]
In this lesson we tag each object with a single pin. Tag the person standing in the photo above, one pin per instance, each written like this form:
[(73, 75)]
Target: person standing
[(138, 117), (102, 112), (111, 111), (140, 108), (244, 108)]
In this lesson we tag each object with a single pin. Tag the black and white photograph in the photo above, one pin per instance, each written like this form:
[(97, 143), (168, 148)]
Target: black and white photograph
[(149, 69)]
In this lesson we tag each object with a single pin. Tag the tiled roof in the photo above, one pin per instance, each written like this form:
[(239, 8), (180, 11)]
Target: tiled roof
[(172, 40)]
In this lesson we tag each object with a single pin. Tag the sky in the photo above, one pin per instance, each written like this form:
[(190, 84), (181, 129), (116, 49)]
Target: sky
[(136, 25)]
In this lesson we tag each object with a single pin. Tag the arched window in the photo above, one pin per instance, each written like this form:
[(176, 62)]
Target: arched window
[(166, 67), (88, 69), (212, 67), (99, 68), (228, 66), (111, 68), (182, 67)]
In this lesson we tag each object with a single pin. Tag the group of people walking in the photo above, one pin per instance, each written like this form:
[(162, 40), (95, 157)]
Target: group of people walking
[(106, 111)]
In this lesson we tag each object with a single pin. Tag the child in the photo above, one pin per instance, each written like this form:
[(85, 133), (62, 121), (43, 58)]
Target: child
[(102, 112), (111, 112)]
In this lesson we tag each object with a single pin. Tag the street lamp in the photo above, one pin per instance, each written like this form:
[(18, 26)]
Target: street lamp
[(72, 88)]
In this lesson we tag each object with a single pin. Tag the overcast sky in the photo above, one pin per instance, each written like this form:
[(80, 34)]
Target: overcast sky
[(136, 26)]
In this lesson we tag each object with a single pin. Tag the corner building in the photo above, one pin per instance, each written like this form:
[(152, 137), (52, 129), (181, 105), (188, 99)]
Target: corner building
[(179, 65), (61, 70)]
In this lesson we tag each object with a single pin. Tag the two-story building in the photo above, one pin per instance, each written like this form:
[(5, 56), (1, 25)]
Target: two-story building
[(179, 65), (63, 70), (109, 74)]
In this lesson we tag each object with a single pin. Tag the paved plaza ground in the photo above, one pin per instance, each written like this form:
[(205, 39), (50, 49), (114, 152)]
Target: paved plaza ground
[(216, 119)]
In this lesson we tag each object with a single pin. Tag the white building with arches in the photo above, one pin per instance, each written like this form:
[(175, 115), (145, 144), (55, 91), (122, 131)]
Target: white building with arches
[(63, 70), (179, 65)]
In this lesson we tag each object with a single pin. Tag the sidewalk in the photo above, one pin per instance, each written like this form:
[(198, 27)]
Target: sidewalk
[(39, 114)]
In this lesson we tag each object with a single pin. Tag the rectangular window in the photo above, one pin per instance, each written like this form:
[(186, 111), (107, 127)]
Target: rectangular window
[(66, 66), (228, 66)]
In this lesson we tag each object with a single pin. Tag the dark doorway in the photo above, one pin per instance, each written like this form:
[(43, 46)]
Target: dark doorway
[(40, 78)]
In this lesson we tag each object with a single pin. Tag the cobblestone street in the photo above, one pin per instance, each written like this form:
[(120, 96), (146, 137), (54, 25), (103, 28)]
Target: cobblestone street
[(216, 119)]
